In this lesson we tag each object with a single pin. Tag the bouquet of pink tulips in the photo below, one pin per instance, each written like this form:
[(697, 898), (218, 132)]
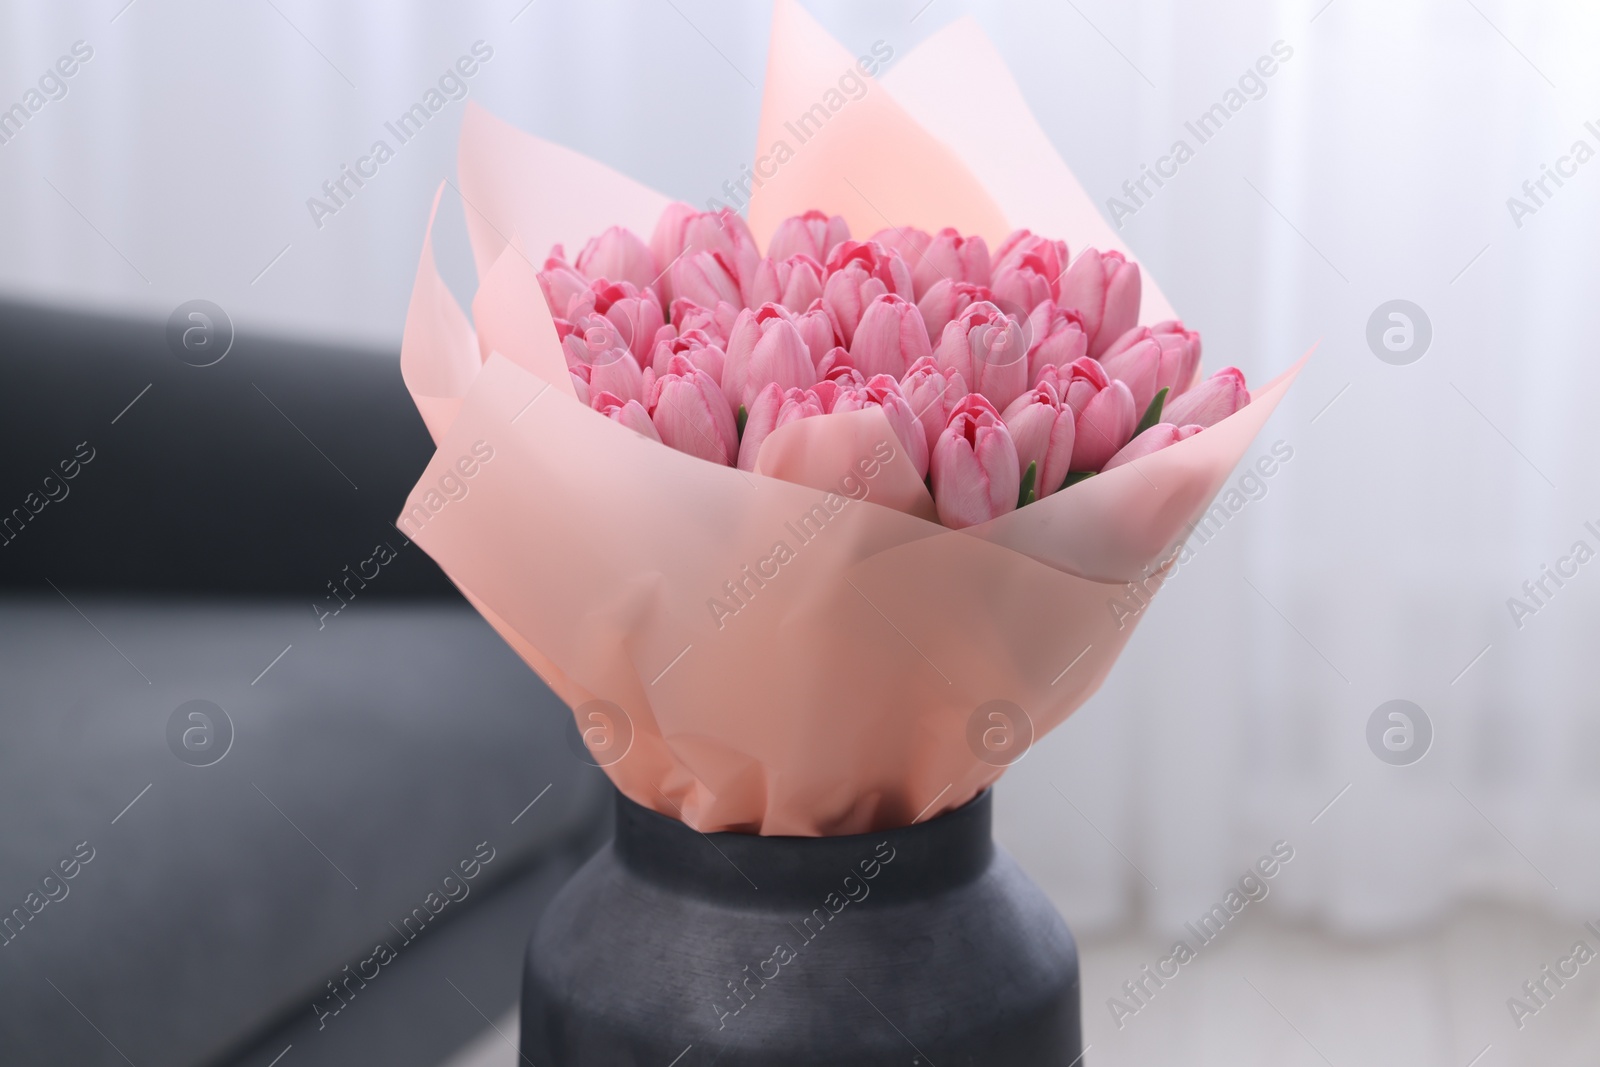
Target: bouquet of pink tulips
[(1006, 376), (949, 464)]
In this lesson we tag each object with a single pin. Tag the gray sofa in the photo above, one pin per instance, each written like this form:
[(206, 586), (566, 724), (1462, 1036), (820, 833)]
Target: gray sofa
[(341, 865)]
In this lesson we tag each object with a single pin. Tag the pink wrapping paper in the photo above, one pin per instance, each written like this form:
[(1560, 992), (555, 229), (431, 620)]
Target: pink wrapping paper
[(800, 649)]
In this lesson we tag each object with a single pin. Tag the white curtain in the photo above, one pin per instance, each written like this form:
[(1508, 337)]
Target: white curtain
[(1374, 564)]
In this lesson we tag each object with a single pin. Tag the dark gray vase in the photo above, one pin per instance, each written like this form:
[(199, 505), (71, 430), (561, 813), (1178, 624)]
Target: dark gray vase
[(923, 945)]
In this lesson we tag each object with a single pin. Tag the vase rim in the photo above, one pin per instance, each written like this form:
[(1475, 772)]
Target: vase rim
[(925, 858)]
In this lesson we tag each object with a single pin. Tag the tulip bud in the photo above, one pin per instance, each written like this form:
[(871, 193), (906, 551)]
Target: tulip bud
[(1058, 339), (882, 391), (636, 315), (837, 365), (827, 391), (716, 321), (817, 328), (683, 231), (933, 395), (765, 346), (910, 243), (1211, 401), (590, 339), (692, 414), (1044, 431), (889, 267), (629, 413), (1154, 439), (1105, 289), (563, 288), (698, 347), (946, 300), (795, 282), (618, 255), (1105, 414), (1024, 281), (707, 279), (1175, 368), (890, 337), (813, 234), (857, 275), (989, 349), (845, 297), (1182, 347), (974, 466), (773, 407), (1050, 257), (950, 257), (620, 376), (1139, 367)]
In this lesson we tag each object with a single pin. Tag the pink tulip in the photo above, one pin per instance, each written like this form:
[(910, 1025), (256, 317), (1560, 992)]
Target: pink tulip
[(946, 300), (707, 279), (1044, 431), (890, 337), (765, 346), (933, 395), (974, 466), (846, 296), (773, 407), (1211, 401), (1154, 439), (888, 266), (950, 257), (1050, 256), (562, 287), (989, 349), (837, 364), (857, 275), (882, 391), (716, 321), (636, 315), (795, 282), (620, 376), (590, 339), (1026, 279), (813, 234), (1105, 414), (1140, 369), (909, 242), (691, 413), (1183, 347), (683, 231), (1179, 361), (630, 413), (817, 329), (701, 349), (1105, 289), (618, 255), (828, 390), (1058, 339)]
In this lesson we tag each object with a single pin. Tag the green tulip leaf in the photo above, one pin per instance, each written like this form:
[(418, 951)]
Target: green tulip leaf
[(1031, 476), (1152, 414)]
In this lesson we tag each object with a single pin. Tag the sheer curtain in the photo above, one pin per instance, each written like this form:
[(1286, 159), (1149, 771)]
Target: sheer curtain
[(1374, 164), (1377, 563)]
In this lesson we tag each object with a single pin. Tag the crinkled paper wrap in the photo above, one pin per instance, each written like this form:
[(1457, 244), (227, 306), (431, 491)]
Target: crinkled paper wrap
[(799, 650)]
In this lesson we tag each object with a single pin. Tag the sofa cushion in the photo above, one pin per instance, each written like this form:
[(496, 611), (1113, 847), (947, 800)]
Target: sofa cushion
[(377, 784)]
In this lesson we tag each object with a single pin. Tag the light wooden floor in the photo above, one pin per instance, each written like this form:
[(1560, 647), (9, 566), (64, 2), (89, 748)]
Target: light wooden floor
[(1268, 996)]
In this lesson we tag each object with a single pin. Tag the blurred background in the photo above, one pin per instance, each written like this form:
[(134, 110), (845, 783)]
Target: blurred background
[(1404, 550)]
